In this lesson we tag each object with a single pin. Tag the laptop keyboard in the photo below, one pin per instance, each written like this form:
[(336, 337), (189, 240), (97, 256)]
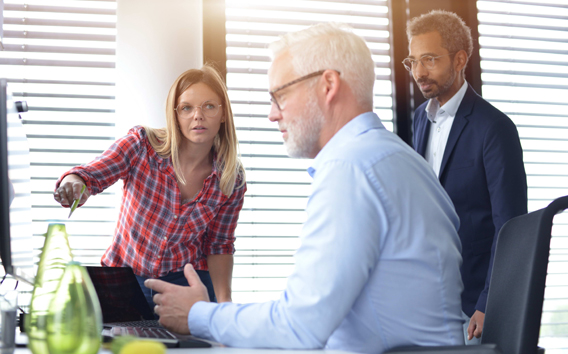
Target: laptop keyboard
[(142, 323), (142, 332), (159, 334)]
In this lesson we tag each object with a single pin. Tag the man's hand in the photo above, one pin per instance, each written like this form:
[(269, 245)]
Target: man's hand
[(475, 327), (173, 302)]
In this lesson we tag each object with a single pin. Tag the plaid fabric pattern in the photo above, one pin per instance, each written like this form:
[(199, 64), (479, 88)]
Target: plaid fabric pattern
[(155, 233)]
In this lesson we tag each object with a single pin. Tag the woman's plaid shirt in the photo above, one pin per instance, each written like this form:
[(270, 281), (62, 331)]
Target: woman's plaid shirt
[(155, 233)]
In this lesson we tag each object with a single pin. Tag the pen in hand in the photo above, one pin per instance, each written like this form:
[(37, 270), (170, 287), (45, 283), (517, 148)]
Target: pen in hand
[(76, 201)]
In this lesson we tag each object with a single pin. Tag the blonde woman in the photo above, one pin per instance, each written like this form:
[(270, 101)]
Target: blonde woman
[(183, 188)]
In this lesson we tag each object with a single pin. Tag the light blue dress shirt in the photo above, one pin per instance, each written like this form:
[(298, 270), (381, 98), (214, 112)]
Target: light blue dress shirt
[(378, 265)]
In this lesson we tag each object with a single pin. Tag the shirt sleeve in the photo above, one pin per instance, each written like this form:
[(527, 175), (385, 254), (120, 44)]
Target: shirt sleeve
[(507, 183), (114, 164), (333, 265), (221, 230)]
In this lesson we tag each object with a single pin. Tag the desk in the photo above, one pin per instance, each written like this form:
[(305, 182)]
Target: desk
[(223, 350), (216, 349)]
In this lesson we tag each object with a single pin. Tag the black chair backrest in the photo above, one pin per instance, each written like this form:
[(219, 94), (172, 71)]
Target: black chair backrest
[(516, 292)]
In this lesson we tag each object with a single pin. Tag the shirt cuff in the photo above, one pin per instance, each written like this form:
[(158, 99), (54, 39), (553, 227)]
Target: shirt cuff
[(199, 317)]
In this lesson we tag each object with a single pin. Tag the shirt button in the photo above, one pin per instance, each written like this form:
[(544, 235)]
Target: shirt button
[(165, 238), (434, 154), (175, 216), (159, 257), (438, 129)]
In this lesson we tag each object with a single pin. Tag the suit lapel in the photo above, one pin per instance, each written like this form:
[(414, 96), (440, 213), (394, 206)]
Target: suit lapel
[(460, 121), (423, 134), (421, 130)]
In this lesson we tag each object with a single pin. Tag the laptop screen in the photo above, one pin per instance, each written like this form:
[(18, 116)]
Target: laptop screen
[(120, 295)]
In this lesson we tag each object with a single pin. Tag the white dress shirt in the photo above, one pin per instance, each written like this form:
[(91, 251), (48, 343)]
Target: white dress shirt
[(441, 120), (378, 265)]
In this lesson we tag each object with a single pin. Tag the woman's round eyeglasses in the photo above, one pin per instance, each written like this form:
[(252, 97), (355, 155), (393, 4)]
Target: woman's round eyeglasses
[(186, 111)]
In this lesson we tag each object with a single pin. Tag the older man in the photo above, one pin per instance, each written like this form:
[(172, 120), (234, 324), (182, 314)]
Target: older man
[(473, 148), (379, 262)]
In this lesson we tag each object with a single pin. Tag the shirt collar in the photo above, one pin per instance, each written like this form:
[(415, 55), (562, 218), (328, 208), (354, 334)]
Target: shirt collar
[(345, 135), (450, 107)]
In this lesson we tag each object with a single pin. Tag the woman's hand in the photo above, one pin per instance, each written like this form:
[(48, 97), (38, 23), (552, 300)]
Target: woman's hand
[(69, 190)]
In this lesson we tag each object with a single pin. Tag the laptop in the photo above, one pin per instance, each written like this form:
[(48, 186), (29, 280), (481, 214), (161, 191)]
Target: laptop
[(126, 311)]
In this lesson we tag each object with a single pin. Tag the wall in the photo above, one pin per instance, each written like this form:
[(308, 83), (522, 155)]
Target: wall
[(156, 41)]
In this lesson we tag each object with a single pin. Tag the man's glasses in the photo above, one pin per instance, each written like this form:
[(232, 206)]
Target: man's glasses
[(427, 61), (209, 110), (272, 92)]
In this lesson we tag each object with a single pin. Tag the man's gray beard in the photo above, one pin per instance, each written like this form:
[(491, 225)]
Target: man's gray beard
[(304, 135)]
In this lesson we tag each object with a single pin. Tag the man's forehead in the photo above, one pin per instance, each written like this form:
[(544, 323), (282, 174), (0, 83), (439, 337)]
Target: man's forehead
[(429, 43), (280, 70)]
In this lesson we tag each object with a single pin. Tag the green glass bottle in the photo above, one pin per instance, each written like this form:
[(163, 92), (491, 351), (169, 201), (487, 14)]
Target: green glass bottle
[(74, 320), (54, 257)]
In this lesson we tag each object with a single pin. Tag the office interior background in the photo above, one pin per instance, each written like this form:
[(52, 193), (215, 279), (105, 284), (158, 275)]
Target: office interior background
[(90, 70)]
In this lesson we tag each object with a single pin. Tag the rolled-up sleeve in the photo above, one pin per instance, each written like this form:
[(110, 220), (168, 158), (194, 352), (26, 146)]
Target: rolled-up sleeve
[(112, 165)]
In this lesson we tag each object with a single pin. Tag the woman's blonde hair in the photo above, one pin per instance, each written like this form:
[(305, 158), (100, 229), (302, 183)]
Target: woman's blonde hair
[(166, 141)]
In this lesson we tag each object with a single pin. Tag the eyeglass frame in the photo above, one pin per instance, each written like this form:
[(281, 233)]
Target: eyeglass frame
[(305, 77), (412, 61), (200, 107)]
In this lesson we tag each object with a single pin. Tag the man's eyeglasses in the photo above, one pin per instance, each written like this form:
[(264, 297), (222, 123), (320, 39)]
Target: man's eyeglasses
[(209, 110), (272, 92), (427, 61)]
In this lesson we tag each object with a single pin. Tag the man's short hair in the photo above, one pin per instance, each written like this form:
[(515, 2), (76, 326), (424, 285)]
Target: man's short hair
[(331, 46), (455, 34)]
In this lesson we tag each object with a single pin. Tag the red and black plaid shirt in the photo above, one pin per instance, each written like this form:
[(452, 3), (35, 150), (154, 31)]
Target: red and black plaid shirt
[(155, 233)]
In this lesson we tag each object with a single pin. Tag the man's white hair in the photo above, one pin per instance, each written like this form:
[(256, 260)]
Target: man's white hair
[(331, 46)]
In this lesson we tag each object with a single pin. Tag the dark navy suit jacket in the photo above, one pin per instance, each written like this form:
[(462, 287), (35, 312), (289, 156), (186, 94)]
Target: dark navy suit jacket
[(483, 173)]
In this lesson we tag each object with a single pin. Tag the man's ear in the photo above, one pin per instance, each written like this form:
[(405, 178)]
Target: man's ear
[(460, 60), (331, 85)]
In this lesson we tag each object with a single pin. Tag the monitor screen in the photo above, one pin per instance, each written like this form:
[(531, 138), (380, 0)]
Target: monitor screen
[(16, 247)]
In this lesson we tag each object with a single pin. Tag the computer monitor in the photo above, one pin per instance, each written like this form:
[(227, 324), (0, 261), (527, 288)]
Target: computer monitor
[(6, 188), (16, 248)]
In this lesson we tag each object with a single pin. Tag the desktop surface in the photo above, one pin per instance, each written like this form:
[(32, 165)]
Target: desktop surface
[(215, 349), (222, 350)]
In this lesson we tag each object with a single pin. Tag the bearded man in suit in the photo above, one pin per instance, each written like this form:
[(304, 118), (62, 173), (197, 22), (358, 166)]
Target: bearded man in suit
[(472, 146)]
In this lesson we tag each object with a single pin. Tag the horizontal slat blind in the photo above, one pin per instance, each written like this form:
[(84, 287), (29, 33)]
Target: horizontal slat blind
[(59, 56), (524, 52), (278, 186)]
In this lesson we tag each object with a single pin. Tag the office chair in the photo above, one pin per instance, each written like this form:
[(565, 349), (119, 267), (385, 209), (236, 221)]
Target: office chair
[(516, 292)]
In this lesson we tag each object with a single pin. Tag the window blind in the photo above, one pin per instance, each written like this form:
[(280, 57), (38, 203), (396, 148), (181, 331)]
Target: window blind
[(524, 51), (278, 186), (59, 56)]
